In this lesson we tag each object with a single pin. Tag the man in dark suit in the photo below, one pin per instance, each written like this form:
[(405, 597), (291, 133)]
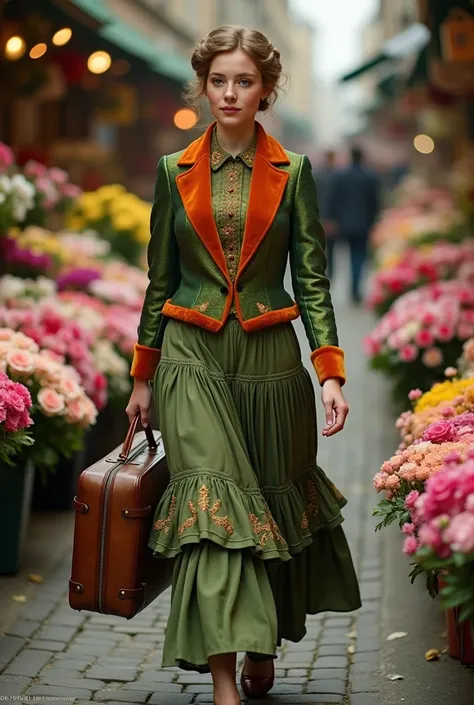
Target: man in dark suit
[(354, 207), (324, 177)]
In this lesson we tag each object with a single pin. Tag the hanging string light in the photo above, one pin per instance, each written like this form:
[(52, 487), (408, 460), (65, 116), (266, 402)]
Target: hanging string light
[(99, 62), (15, 48), (62, 36)]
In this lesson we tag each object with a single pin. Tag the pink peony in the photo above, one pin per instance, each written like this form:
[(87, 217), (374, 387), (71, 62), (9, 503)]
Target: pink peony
[(410, 546), (432, 357), (408, 353), (424, 338), (58, 176), (430, 535), (34, 169), (6, 157), (444, 332), (411, 499), (465, 330), (408, 529), (460, 533), (439, 432)]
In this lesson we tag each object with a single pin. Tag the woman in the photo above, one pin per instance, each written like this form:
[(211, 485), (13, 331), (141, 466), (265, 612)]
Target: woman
[(253, 522)]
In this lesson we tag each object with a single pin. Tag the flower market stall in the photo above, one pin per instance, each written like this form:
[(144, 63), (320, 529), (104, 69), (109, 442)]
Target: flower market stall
[(72, 282), (422, 292)]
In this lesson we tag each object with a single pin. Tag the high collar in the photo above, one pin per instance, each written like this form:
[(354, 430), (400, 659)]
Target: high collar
[(219, 156), (267, 147)]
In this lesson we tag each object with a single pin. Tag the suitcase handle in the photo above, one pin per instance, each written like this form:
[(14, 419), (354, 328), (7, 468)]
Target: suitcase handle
[(127, 446)]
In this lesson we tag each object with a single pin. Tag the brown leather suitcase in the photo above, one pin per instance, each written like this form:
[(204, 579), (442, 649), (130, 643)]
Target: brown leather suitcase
[(113, 570)]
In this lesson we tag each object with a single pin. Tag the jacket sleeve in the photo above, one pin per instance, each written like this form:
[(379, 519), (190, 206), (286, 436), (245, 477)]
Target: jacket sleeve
[(310, 283), (164, 276)]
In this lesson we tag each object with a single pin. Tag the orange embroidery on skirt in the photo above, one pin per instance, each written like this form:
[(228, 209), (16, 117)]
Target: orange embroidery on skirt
[(203, 505), (165, 523), (202, 308), (190, 521), (338, 495), (268, 531)]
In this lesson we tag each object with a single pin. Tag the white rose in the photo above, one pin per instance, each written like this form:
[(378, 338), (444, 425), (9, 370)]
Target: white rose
[(46, 287), (5, 184), (11, 287)]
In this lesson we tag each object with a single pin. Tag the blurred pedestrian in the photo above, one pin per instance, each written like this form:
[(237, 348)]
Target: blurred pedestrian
[(354, 207), (325, 177), (252, 520)]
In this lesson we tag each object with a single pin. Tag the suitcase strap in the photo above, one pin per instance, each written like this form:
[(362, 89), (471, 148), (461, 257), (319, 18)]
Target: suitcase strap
[(137, 513), (131, 593)]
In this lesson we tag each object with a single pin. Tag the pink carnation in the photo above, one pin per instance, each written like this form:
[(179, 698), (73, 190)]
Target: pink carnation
[(411, 499), (410, 546), (460, 533), (408, 353)]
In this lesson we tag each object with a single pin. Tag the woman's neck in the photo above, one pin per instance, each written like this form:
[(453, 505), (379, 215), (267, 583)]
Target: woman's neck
[(236, 140)]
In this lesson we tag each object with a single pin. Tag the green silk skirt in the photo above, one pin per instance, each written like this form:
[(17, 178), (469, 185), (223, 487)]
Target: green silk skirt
[(252, 521)]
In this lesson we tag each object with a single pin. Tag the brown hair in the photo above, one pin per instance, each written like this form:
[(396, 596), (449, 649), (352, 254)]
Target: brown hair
[(228, 38)]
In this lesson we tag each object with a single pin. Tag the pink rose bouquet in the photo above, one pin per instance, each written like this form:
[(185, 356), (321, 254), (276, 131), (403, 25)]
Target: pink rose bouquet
[(443, 538), (409, 469), (419, 266), (54, 194), (61, 409), (15, 419), (65, 338), (422, 333), (445, 400)]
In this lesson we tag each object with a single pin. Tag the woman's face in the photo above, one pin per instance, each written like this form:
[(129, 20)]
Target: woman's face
[(234, 88)]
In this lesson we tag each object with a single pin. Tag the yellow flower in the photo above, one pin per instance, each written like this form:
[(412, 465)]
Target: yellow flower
[(142, 234), (75, 222), (124, 221), (443, 391)]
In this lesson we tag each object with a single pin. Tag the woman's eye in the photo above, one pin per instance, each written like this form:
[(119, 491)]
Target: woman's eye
[(245, 82), (216, 81)]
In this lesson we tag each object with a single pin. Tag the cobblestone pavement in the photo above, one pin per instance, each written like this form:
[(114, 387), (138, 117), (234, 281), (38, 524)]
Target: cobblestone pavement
[(54, 653)]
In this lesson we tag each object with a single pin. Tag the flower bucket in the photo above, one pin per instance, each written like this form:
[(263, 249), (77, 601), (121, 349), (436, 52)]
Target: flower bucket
[(461, 639), (16, 485), (56, 492)]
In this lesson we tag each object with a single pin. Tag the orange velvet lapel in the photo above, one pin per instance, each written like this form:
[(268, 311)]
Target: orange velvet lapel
[(194, 186), (266, 191)]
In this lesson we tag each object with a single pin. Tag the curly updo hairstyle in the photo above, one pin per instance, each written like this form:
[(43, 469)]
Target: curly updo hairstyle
[(228, 38)]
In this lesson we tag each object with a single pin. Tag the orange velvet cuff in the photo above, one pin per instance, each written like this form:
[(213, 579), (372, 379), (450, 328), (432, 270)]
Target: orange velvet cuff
[(328, 362), (145, 361)]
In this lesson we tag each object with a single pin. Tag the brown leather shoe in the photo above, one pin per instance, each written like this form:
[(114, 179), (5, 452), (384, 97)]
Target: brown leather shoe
[(256, 686)]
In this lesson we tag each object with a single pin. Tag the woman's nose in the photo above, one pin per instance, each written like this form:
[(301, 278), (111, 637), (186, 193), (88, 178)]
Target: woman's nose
[(230, 91)]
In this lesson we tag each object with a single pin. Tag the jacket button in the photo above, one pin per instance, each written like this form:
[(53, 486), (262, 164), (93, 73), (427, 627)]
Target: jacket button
[(240, 288), (224, 290)]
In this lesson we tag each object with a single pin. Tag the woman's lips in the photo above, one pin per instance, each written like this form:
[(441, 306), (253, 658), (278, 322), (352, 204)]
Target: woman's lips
[(230, 110)]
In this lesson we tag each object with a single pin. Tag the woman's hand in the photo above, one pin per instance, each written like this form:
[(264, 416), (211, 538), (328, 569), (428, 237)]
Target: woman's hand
[(335, 406), (140, 400)]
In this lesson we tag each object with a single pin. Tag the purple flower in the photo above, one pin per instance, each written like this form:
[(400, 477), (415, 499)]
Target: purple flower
[(78, 278)]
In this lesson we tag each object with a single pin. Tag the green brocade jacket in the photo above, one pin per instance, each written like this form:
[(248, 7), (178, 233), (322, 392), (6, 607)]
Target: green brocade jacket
[(200, 273)]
